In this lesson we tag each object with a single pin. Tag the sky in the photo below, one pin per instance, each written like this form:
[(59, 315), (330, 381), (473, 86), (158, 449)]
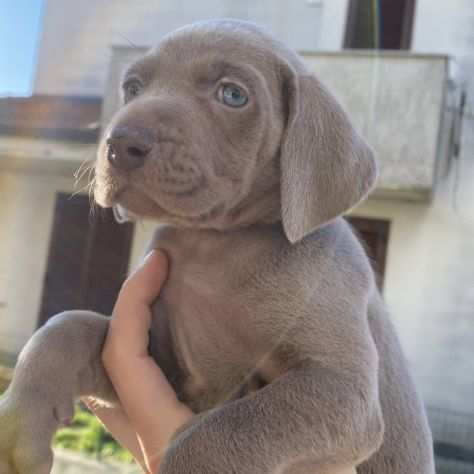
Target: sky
[(19, 33)]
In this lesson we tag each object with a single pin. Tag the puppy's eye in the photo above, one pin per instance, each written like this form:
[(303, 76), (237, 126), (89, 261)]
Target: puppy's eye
[(132, 89), (232, 95)]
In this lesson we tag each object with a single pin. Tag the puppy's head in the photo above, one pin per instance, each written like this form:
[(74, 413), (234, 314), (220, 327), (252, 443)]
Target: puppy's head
[(223, 126)]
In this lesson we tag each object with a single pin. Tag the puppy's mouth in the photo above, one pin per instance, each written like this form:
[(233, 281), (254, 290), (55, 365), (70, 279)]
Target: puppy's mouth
[(141, 203)]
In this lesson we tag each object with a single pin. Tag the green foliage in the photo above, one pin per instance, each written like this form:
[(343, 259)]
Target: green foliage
[(87, 435)]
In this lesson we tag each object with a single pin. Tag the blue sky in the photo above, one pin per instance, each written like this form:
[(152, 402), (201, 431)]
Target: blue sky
[(19, 33)]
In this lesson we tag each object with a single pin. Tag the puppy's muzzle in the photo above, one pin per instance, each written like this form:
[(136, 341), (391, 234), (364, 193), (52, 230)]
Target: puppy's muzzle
[(128, 149)]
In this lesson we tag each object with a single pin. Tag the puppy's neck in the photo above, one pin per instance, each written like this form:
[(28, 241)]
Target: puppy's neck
[(260, 198), (259, 207)]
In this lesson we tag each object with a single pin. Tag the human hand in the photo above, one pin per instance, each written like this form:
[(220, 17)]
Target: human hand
[(150, 412)]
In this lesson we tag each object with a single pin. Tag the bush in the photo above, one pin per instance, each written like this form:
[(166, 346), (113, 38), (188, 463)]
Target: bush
[(87, 435)]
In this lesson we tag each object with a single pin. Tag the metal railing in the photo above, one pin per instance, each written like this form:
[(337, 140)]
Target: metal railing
[(453, 438)]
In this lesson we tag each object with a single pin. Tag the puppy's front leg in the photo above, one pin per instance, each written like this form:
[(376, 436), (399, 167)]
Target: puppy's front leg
[(310, 420), (62, 361)]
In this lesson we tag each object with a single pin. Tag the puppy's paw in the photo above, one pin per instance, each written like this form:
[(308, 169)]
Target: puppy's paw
[(25, 438)]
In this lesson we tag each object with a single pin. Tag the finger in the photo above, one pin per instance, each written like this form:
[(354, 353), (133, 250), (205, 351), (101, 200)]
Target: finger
[(150, 404), (149, 400), (131, 317), (128, 333), (145, 283), (117, 423)]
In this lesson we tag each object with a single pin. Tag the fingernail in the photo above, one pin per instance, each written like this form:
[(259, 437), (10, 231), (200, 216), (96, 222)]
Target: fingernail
[(149, 254)]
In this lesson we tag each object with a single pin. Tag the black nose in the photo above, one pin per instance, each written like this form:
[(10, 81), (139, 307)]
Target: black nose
[(127, 150)]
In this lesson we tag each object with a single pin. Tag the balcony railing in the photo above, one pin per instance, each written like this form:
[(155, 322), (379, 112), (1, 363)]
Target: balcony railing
[(398, 101)]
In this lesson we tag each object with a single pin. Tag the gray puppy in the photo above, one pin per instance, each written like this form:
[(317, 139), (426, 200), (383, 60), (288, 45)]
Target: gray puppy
[(270, 325)]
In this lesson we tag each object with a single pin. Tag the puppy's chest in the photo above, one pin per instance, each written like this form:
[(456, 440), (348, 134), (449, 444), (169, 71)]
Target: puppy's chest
[(211, 324), (209, 320)]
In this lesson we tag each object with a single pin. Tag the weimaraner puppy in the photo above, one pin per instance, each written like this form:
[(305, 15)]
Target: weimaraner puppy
[(270, 326)]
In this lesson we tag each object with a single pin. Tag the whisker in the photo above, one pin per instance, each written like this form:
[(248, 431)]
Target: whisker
[(79, 170), (85, 167), (128, 41), (79, 191), (91, 175)]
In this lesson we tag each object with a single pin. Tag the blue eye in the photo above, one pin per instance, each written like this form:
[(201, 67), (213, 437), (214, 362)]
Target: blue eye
[(132, 89), (232, 95)]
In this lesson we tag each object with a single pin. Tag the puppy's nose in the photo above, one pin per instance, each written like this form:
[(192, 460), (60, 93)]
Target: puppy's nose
[(127, 151)]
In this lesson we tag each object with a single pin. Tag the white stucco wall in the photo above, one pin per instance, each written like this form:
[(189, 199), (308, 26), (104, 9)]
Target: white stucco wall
[(429, 288), (444, 27)]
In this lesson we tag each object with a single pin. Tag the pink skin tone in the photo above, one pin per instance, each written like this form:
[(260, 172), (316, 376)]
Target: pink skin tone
[(138, 381)]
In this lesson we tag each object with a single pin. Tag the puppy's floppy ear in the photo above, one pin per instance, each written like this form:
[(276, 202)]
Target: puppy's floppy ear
[(326, 167)]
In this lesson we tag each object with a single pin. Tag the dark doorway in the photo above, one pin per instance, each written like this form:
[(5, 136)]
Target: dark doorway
[(88, 258), (379, 24), (374, 234)]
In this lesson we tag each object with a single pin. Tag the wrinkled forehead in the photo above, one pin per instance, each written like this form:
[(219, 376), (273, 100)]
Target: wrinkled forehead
[(208, 55)]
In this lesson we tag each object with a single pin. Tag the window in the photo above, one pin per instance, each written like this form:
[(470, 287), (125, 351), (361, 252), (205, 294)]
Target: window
[(374, 235), (88, 258), (379, 24)]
